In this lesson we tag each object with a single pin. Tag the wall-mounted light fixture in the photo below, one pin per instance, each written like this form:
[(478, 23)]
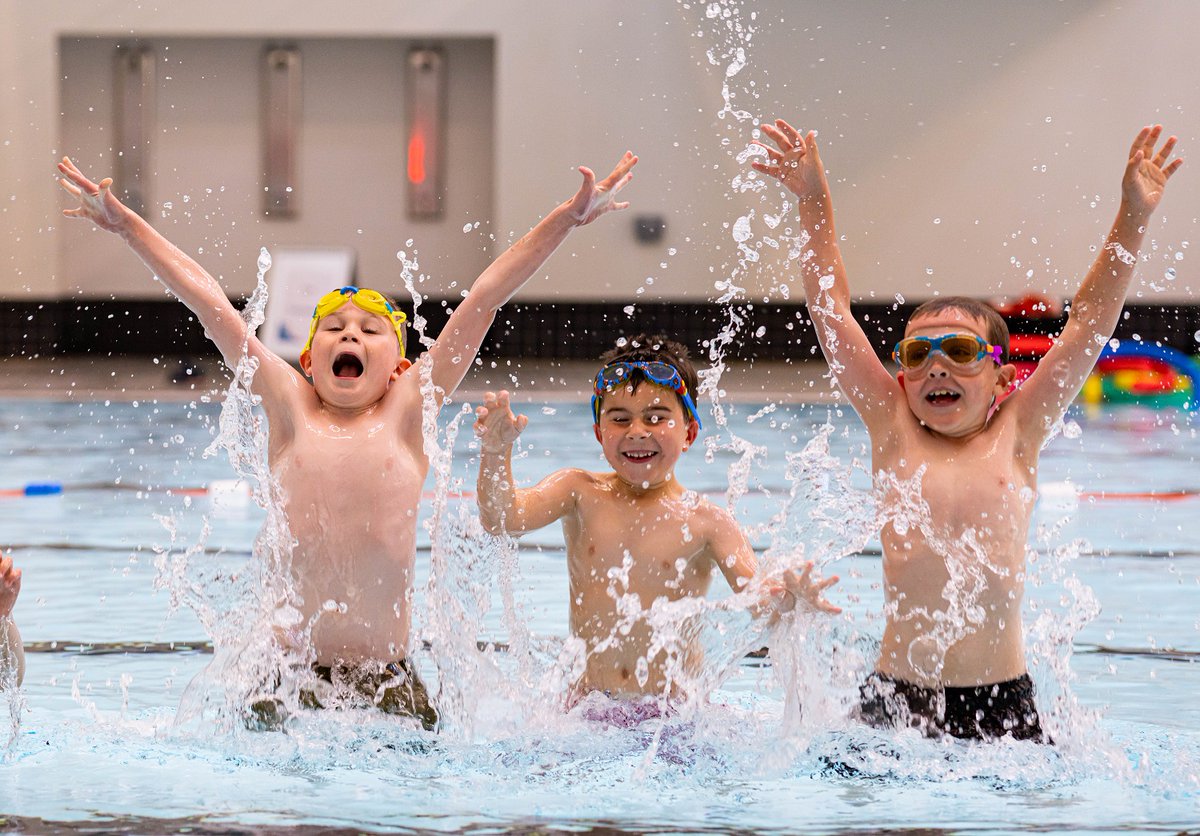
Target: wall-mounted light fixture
[(425, 86), (134, 111), (281, 126)]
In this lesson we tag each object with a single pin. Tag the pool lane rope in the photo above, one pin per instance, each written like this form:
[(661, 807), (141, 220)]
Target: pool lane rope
[(234, 491)]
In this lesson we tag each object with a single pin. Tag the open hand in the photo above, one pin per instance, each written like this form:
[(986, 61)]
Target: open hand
[(795, 163), (10, 585), (595, 199), (495, 424), (1147, 172), (804, 585), (97, 203)]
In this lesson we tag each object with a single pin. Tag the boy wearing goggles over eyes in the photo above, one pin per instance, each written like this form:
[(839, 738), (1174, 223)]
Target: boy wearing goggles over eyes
[(636, 521), (345, 437), (952, 660)]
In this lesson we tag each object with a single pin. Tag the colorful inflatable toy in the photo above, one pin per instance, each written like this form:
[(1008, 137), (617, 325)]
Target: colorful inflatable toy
[(1130, 373), (1141, 373)]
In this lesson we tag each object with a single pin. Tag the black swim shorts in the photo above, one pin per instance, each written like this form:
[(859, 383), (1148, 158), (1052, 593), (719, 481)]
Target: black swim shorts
[(983, 712)]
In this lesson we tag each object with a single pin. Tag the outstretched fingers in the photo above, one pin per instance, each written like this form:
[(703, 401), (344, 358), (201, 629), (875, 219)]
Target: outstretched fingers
[(786, 137)]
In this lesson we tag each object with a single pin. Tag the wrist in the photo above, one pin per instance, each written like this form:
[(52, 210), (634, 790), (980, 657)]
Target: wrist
[(562, 219), (1129, 212)]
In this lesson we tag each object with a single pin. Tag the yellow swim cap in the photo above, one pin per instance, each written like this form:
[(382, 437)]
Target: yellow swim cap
[(371, 301)]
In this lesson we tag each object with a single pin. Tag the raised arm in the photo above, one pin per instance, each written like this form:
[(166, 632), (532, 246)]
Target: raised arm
[(459, 341), (178, 271), (796, 164), (12, 652), (1045, 396), (503, 509)]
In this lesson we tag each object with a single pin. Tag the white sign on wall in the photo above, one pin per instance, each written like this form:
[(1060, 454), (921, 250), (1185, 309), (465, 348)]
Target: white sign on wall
[(297, 279)]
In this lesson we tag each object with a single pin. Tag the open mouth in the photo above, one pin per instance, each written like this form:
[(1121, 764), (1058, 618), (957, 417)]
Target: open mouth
[(347, 365), (942, 397), (639, 456)]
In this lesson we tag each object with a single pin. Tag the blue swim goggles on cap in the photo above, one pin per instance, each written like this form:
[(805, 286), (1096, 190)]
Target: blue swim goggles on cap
[(663, 374), (964, 350)]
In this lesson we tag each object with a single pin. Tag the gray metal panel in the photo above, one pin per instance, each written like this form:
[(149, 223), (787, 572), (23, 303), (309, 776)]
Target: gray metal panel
[(281, 126), (134, 113), (425, 84)]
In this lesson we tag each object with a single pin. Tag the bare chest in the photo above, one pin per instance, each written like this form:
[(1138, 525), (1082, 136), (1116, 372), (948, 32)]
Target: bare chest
[(651, 552), (945, 501)]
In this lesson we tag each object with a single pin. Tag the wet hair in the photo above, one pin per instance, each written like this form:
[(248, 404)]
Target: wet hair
[(658, 348), (995, 328)]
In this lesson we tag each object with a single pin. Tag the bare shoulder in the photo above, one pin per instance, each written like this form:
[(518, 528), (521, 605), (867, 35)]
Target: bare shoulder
[(285, 394), (1028, 428), (707, 519)]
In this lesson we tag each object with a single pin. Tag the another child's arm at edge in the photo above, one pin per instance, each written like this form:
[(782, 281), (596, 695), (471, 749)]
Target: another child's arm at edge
[(1045, 396), (853, 361), (503, 508), (179, 272), (12, 651), (458, 343), (774, 596)]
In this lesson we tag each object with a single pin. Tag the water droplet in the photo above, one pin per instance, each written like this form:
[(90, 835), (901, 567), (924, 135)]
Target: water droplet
[(741, 229), (899, 299), (937, 220)]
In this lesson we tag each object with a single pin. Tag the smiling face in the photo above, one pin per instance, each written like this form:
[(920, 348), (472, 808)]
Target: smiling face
[(951, 399), (643, 431), (354, 356)]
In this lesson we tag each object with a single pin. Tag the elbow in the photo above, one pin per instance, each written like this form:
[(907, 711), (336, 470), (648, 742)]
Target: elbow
[(492, 523)]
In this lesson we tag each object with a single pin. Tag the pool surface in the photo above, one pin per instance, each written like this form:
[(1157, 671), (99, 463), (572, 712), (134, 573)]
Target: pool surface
[(1112, 622)]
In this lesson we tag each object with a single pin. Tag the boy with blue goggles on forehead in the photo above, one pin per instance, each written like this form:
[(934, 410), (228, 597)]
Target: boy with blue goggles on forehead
[(346, 445), (952, 659), (636, 520)]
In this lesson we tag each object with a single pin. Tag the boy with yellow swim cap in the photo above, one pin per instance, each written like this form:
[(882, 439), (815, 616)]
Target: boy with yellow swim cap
[(346, 443)]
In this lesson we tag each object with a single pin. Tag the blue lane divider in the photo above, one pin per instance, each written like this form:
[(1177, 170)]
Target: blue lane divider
[(43, 488)]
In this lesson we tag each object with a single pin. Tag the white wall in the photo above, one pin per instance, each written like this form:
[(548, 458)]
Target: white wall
[(207, 188), (928, 111)]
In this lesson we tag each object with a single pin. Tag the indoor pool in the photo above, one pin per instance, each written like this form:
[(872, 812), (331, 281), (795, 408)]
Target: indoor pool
[(1112, 621)]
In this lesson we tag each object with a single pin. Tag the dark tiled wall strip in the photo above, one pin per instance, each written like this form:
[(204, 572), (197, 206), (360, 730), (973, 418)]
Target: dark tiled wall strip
[(565, 330)]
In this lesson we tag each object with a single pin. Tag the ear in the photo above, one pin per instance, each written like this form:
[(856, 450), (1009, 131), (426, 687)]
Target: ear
[(596, 430), (306, 363), (900, 380), (1005, 376), (404, 365), (693, 430)]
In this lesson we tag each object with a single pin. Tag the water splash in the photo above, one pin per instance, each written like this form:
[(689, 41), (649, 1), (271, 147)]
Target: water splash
[(12, 694), (253, 615)]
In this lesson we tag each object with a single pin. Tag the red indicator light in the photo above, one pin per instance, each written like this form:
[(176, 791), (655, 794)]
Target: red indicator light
[(416, 158)]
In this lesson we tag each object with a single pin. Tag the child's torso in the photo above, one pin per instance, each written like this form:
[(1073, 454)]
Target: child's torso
[(622, 558), (351, 488), (955, 522)]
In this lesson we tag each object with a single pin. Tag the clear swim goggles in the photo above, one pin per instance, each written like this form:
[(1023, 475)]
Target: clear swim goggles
[(965, 350), (618, 374), (371, 301)]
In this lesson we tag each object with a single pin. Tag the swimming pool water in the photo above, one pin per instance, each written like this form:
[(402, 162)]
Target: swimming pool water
[(97, 740)]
